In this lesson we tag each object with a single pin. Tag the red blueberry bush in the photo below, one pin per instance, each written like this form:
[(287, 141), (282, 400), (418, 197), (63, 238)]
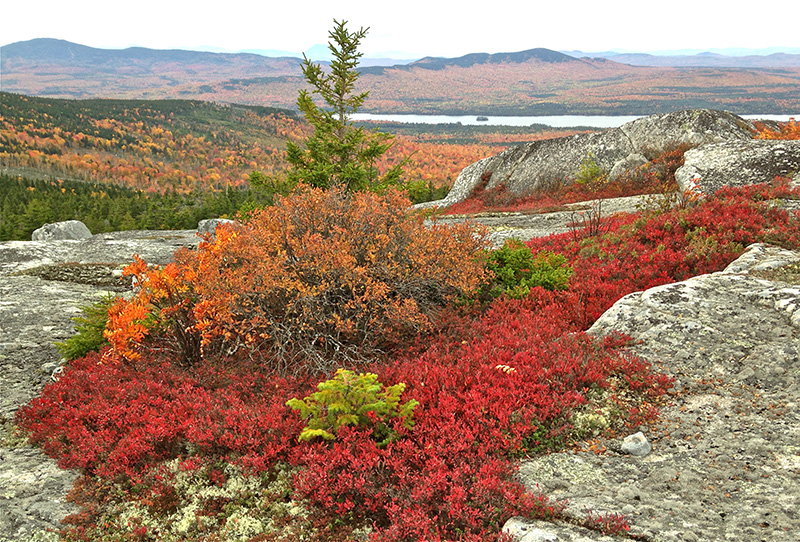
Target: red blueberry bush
[(204, 447)]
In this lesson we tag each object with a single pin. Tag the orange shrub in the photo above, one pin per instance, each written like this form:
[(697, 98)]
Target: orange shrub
[(320, 280), (786, 130)]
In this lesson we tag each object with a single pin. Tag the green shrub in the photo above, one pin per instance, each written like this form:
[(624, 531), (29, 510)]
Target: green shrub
[(590, 174), (346, 399), (517, 270), (88, 330)]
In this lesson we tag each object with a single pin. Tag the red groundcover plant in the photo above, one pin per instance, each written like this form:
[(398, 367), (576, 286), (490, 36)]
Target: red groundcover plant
[(493, 383)]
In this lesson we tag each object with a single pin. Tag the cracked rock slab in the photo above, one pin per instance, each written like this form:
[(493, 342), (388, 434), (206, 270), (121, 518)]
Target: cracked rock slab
[(738, 163)]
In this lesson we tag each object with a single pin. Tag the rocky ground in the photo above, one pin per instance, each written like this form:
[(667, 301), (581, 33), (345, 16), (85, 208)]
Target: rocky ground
[(525, 226), (42, 286), (725, 463)]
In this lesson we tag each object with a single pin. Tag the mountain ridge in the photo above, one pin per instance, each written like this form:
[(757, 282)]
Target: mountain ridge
[(27, 54), (707, 60), (533, 82)]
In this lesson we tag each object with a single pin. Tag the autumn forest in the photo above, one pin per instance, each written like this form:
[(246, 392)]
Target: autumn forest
[(181, 161)]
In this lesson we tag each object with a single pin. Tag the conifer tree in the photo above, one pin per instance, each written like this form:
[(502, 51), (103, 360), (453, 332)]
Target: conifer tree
[(338, 154)]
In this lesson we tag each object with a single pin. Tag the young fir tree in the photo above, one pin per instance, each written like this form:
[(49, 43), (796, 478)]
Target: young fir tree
[(338, 154)]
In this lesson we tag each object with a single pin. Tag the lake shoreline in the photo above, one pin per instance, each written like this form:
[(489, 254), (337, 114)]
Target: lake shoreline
[(554, 121)]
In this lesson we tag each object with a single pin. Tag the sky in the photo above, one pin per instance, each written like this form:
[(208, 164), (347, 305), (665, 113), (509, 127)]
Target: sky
[(409, 28)]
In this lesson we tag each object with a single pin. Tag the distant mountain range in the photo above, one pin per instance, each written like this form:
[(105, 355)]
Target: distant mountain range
[(701, 60), (473, 59), (533, 82), (26, 55)]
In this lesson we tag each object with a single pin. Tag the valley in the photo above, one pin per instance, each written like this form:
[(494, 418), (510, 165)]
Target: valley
[(122, 164)]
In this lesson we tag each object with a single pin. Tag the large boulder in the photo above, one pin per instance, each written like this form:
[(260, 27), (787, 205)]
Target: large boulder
[(540, 165), (210, 225), (725, 454), (60, 231), (738, 163)]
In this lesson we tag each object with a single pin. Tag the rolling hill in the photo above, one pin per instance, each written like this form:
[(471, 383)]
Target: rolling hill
[(532, 82)]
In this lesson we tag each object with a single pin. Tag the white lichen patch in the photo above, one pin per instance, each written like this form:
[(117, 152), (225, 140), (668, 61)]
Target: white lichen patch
[(246, 506)]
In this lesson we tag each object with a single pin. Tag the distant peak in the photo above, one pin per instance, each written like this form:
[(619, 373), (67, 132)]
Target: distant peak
[(472, 59)]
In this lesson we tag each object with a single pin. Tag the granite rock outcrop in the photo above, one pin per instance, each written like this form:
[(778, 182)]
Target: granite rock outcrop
[(738, 163), (725, 463), (539, 165)]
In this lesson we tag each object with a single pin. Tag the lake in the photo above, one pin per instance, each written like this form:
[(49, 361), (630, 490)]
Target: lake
[(563, 121)]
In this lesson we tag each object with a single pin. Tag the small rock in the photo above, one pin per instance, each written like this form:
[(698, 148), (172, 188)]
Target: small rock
[(636, 445), (521, 529), (51, 367)]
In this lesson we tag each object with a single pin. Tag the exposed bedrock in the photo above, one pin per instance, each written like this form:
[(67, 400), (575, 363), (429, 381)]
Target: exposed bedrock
[(540, 165)]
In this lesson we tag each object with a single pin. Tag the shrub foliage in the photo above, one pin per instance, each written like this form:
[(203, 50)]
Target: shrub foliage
[(516, 270), (200, 452), (321, 279)]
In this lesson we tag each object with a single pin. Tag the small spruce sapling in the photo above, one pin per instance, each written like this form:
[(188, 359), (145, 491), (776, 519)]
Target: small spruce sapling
[(354, 400), (337, 153)]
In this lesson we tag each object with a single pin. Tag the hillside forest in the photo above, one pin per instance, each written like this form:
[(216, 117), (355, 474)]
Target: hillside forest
[(165, 164)]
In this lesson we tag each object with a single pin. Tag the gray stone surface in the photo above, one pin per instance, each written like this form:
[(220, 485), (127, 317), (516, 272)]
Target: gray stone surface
[(209, 225), (539, 165), (738, 163), (526, 530), (526, 226), (725, 463), (69, 229), (35, 312)]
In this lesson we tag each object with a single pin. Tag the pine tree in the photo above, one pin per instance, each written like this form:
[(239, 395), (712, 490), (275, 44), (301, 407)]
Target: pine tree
[(339, 154)]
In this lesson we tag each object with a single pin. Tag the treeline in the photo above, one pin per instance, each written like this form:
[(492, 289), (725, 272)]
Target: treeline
[(488, 135), (147, 164), (26, 204)]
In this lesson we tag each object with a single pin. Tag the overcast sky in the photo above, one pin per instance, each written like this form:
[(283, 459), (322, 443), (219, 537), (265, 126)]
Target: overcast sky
[(413, 27)]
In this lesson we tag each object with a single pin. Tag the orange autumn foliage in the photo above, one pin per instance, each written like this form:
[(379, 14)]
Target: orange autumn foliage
[(320, 280), (786, 130)]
